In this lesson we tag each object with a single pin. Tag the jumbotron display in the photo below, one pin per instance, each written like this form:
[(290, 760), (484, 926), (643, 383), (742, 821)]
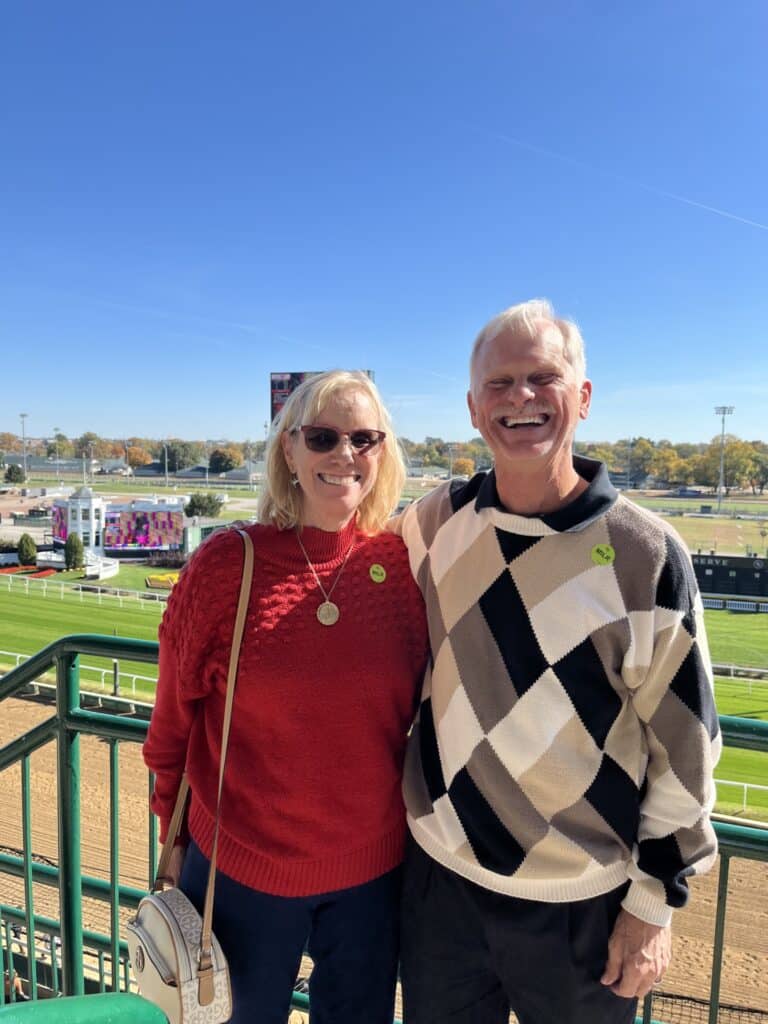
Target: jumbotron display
[(282, 384), (59, 526), (162, 530)]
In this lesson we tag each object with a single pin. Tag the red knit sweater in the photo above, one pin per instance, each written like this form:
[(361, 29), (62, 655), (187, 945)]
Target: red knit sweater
[(311, 797)]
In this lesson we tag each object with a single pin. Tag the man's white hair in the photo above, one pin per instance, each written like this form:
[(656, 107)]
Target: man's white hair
[(529, 318)]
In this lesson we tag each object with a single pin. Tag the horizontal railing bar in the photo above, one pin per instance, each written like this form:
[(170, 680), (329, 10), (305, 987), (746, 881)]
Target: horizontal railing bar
[(47, 874), (108, 646), (738, 840), (77, 643), (96, 723), (52, 927), (27, 743), (745, 733)]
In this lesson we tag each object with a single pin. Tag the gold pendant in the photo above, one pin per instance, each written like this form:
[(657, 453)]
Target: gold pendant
[(328, 613)]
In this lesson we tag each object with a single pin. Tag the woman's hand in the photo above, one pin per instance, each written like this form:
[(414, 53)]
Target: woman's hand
[(175, 864)]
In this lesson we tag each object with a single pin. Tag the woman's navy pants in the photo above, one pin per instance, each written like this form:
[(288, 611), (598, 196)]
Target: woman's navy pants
[(351, 935)]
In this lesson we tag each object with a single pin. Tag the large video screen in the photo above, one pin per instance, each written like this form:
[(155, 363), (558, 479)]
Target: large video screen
[(282, 384), (59, 523), (152, 530)]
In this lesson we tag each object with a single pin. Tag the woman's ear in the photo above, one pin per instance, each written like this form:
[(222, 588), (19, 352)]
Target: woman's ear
[(286, 443)]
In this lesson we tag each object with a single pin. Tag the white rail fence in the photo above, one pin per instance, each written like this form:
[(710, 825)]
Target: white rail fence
[(744, 787), (107, 678), (86, 592)]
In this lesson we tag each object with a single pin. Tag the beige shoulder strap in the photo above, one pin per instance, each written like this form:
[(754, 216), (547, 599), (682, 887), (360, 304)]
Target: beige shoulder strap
[(205, 966)]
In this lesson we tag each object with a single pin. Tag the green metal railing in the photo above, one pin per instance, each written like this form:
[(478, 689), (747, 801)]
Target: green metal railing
[(65, 727), (78, 948)]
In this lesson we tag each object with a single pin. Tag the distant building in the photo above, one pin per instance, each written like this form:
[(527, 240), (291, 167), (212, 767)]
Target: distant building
[(128, 529)]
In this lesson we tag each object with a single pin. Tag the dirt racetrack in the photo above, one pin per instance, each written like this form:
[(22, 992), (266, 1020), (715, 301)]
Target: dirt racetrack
[(745, 970)]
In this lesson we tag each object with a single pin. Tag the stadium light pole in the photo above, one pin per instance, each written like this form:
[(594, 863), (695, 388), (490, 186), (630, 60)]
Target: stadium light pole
[(722, 411), (56, 443), (630, 442), (23, 417), (165, 449)]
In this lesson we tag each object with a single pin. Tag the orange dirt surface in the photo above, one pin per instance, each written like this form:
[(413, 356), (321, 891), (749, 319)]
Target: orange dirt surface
[(744, 979)]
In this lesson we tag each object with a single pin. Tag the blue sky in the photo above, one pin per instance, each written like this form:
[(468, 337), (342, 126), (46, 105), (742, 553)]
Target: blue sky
[(193, 195)]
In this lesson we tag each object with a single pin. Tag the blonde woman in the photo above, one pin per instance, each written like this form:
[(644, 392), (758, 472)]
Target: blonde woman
[(312, 821)]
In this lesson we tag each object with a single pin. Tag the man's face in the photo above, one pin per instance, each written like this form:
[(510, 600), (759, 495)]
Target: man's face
[(525, 398)]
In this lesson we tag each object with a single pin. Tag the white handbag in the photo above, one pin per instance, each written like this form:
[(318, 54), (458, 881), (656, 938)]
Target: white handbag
[(177, 962)]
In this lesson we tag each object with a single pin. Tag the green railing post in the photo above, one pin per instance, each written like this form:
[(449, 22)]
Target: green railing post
[(26, 827), (719, 938), (2, 965), (70, 885), (114, 862)]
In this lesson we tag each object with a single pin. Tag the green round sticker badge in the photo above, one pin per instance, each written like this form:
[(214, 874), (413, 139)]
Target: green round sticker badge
[(603, 554), (377, 573)]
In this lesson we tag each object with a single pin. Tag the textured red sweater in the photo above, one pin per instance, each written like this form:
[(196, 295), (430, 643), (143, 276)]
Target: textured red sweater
[(312, 798)]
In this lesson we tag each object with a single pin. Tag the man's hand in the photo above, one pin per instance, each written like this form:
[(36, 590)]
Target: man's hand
[(638, 955)]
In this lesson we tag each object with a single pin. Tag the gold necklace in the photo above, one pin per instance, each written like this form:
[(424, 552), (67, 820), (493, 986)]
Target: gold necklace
[(328, 612)]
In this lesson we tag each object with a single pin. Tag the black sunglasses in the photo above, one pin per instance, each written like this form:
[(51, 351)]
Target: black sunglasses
[(325, 439)]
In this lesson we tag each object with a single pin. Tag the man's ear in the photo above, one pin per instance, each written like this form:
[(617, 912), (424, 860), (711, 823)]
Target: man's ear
[(471, 405), (585, 397)]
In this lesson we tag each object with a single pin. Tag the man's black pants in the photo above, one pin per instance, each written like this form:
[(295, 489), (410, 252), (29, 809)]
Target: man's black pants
[(468, 955)]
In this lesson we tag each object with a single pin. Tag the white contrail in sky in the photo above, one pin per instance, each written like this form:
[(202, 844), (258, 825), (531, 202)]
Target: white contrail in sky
[(628, 181)]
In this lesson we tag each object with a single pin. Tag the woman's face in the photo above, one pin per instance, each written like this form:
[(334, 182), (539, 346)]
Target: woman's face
[(333, 484)]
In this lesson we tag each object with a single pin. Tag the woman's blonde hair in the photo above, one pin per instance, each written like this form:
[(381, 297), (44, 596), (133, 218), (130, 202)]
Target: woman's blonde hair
[(281, 501)]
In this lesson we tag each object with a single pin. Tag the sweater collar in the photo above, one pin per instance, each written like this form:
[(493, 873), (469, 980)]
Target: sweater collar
[(322, 547), (599, 496)]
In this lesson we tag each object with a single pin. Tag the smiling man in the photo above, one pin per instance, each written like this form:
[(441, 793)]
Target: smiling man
[(559, 775)]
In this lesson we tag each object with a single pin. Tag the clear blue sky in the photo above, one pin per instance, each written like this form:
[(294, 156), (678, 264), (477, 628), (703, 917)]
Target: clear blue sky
[(195, 194)]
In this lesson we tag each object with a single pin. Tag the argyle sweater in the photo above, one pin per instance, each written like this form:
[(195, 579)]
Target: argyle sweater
[(567, 731)]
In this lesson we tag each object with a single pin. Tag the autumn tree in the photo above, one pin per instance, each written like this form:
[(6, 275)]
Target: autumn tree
[(59, 446), (759, 475), (667, 466), (463, 467), (9, 442), (136, 456), (225, 458), (738, 462)]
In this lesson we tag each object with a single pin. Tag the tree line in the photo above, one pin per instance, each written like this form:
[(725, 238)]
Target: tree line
[(745, 463), (139, 451)]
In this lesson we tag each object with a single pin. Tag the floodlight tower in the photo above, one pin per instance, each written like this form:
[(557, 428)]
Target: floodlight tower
[(722, 411), (56, 443), (23, 417)]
